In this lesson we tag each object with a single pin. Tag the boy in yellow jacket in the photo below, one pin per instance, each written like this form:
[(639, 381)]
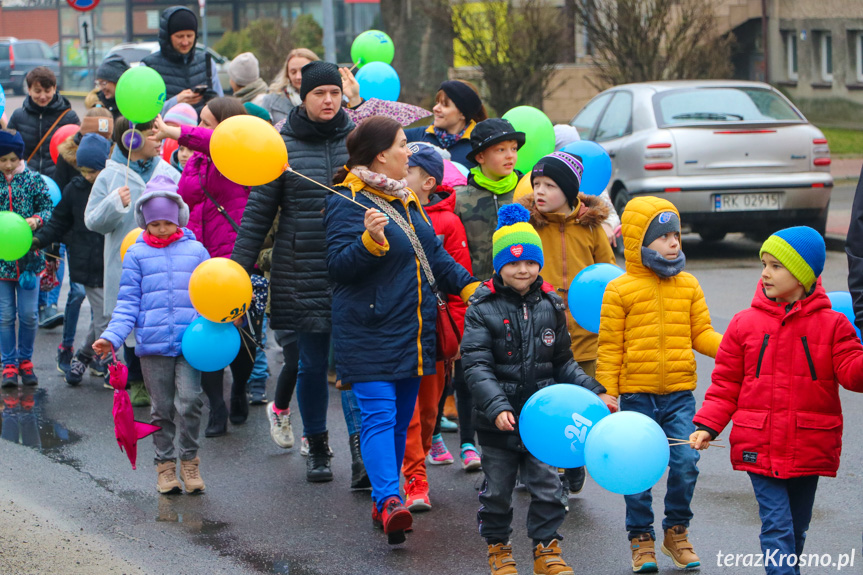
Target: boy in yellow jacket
[(653, 316)]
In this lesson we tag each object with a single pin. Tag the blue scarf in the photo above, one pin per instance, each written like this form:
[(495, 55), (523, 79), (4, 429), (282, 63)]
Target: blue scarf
[(660, 266), (143, 168), (446, 139)]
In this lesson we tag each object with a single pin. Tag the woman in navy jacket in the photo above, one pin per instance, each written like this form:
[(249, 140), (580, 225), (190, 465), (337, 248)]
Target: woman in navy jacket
[(384, 310)]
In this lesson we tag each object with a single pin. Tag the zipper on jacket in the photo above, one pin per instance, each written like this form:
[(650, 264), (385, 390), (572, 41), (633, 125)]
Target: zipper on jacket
[(524, 305), (662, 373), (11, 209), (563, 251), (508, 330), (761, 354), (809, 358)]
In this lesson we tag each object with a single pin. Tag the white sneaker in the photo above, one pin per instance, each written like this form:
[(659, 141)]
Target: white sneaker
[(280, 427)]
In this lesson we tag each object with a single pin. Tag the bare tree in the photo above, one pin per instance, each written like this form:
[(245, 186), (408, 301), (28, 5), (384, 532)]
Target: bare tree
[(515, 44), (422, 32), (644, 40)]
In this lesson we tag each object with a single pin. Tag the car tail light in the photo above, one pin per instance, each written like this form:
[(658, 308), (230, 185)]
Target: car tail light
[(658, 151), (820, 152), (11, 58), (659, 166), (818, 185), (817, 141), (672, 189), (821, 161), (744, 132), (659, 145)]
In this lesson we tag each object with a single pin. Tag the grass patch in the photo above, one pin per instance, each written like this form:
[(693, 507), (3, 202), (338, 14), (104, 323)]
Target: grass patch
[(843, 141)]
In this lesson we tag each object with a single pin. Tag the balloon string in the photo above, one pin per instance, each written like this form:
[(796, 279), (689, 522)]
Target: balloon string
[(289, 169), (129, 157)]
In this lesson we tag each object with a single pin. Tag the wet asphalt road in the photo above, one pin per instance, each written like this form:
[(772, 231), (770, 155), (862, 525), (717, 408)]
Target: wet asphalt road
[(260, 516)]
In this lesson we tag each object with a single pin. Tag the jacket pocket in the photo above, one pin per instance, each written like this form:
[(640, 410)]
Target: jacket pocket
[(819, 441), (761, 354), (809, 358), (750, 438)]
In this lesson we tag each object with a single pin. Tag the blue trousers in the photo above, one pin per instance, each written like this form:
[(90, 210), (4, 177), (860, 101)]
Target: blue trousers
[(351, 409), (313, 394), (16, 301), (260, 370), (71, 312), (785, 508), (387, 408), (673, 412)]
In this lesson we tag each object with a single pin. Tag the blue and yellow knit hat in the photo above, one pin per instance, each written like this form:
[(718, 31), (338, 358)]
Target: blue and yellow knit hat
[(515, 239), (801, 250)]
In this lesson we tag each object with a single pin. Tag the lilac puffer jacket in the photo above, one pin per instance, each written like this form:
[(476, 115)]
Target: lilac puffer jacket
[(210, 227), (154, 296)]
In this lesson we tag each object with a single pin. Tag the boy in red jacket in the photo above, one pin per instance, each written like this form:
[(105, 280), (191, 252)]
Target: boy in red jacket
[(424, 172), (776, 378)]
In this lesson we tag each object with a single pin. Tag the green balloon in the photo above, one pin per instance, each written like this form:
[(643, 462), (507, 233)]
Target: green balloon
[(372, 46), (539, 135), (15, 236), (140, 94)]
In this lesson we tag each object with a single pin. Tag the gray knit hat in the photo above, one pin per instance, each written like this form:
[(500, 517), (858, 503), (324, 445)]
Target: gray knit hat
[(663, 223), (244, 69)]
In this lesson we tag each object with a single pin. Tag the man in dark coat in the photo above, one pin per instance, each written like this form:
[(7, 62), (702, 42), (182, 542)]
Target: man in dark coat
[(180, 64), (854, 252), (314, 135)]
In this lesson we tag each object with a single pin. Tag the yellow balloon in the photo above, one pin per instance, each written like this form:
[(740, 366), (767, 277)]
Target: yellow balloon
[(248, 151), (130, 239), (523, 188), (221, 290)]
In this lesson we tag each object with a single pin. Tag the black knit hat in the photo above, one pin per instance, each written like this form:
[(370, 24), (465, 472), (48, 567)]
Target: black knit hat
[(465, 99), (183, 19), (112, 68), (566, 171), (490, 132), (319, 74)]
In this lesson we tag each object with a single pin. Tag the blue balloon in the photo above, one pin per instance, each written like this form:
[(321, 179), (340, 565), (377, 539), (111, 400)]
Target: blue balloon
[(597, 166), (53, 189), (627, 453), (27, 280), (555, 422), (210, 346), (2, 101), (379, 80), (841, 302), (586, 292)]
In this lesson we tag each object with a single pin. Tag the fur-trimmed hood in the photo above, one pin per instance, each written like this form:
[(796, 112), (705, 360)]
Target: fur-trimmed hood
[(590, 211), (158, 188), (68, 148)]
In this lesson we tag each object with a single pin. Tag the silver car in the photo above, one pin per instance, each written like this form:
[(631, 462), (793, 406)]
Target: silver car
[(732, 156)]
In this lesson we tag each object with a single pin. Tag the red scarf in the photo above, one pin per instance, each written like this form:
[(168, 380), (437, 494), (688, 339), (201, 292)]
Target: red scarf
[(155, 242)]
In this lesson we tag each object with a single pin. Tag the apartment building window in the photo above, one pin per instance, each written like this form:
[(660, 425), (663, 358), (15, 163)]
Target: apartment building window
[(858, 51), (826, 49), (791, 54)]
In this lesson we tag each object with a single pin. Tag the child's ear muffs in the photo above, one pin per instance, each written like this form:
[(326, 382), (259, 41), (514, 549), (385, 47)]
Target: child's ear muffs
[(132, 139)]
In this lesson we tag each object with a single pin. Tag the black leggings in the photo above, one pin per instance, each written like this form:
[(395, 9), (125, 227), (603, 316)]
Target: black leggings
[(287, 381), (464, 405), (212, 382)]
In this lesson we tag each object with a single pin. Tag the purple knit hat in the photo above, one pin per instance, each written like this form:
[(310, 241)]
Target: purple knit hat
[(161, 208), (182, 115), (160, 201)]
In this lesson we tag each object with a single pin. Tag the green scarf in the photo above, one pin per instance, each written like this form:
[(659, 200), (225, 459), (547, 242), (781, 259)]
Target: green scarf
[(502, 186)]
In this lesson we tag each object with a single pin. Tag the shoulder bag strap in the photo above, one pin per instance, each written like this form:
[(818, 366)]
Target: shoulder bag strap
[(48, 133), (219, 207)]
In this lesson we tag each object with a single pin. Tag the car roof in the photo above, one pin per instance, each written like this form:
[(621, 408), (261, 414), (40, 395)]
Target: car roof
[(665, 85)]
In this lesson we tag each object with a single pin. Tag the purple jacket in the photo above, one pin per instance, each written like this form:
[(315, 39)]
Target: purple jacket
[(210, 227)]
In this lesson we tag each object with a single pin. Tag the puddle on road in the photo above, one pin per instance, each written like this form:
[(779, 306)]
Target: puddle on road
[(23, 421)]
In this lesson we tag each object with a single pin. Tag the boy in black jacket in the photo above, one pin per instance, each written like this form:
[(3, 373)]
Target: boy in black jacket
[(515, 343), (85, 250)]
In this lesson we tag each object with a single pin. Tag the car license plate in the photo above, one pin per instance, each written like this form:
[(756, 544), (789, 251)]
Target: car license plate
[(747, 202)]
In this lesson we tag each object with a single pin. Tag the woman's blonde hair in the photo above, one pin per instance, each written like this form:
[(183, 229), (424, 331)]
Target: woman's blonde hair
[(282, 79)]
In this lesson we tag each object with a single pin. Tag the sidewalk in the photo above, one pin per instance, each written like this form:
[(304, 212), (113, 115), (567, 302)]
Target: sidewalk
[(845, 171)]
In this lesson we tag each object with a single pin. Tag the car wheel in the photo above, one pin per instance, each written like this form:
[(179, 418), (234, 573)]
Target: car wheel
[(711, 235), (621, 198), (758, 234)]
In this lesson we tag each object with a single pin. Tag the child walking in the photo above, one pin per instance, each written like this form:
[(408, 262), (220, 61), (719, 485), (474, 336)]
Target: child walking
[(154, 299), (653, 316), (26, 194), (777, 377), (85, 247), (515, 343)]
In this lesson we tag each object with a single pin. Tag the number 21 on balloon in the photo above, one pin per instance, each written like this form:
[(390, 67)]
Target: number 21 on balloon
[(236, 313), (578, 432)]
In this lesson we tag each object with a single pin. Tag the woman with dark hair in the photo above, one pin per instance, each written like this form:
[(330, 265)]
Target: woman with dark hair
[(384, 309), (458, 108), (216, 206)]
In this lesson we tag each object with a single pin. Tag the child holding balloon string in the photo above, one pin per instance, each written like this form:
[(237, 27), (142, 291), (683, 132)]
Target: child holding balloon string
[(26, 195), (154, 300), (652, 318), (777, 376), (515, 343)]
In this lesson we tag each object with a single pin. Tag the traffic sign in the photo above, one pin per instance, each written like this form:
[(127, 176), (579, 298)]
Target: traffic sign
[(86, 32), (83, 5)]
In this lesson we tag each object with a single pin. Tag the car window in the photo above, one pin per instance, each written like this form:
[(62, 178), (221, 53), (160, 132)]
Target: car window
[(721, 104), (131, 55), (47, 53), (4, 51), (617, 120), (586, 119), (26, 51)]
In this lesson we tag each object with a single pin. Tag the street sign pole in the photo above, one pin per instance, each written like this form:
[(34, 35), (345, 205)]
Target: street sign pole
[(202, 4)]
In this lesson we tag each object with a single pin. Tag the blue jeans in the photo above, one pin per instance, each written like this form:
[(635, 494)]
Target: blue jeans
[(16, 301), (260, 370), (673, 413), (785, 508), (71, 313), (387, 408), (53, 296), (351, 409), (312, 392)]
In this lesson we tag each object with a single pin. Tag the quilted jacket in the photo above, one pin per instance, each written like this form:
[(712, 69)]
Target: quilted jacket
[(777, 377), (26, 194), (650, 325)]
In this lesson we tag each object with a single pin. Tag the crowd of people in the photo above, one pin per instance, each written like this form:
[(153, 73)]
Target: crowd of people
[(366, 262)]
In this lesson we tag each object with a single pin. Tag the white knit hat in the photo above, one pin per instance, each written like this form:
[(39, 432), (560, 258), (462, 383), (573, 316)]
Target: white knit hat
[(244, 69)]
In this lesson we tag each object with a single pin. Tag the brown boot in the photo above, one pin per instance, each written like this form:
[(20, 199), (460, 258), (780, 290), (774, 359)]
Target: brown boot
[(191, 475), (167, 482), (449, 408), (500, 559), (677, 546), (547, 560), (643, 554)]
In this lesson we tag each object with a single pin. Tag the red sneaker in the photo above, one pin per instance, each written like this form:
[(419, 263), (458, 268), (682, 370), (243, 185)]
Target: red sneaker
[(417, 494), (377, 520), (10, 375), (396, 519), (25, 370)]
